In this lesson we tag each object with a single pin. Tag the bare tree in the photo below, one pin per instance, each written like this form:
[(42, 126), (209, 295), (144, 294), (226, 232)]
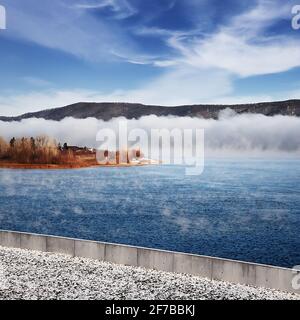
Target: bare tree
[(4, 147)]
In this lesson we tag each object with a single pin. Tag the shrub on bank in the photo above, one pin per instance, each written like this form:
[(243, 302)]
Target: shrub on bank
[(39, 150)]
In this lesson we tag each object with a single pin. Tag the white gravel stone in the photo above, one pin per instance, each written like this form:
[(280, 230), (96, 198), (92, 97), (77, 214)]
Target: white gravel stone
[(38, 275)]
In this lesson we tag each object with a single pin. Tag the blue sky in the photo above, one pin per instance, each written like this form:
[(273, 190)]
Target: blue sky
[(169, 52)]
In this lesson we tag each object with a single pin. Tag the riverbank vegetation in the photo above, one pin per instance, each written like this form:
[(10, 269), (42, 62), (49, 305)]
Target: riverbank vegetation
[(45, 153), (39, 150)]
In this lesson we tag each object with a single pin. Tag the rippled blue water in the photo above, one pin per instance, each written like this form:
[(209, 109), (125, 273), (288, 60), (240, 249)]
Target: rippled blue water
[(247, 210)]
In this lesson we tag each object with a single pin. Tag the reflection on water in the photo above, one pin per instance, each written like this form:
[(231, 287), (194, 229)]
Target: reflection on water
[(247, 210)]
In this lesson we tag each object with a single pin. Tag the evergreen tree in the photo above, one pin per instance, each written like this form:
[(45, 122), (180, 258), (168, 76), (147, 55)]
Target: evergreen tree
[(12, 142)]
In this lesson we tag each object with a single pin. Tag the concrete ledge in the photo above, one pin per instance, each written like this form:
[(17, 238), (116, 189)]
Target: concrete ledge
[(275, 278), (156, 259), (207, 267), (233, 271), (121, 254), (33, 242), (89, 249), (10, 239), (60, 245), (202, 266), (183, 263)]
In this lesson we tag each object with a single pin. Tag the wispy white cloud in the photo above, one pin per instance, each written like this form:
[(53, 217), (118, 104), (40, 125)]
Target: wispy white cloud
[(261, 16), (243, 58), (179, 88), (140, 59), (173, 88), (121, 8), (200, 67), (14, 104), (37, 82), (57, 25), (102, 4), (241, 47)]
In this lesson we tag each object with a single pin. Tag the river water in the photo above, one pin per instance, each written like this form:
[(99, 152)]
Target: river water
[(238, 209)]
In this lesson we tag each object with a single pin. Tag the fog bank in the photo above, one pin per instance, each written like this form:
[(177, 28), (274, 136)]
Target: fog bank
[(247, 134)]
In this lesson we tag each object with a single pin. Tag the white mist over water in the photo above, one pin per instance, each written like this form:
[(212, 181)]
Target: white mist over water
[(231, 134)]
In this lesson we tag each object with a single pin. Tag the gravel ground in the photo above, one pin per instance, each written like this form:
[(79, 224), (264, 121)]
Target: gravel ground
[(35, 275)]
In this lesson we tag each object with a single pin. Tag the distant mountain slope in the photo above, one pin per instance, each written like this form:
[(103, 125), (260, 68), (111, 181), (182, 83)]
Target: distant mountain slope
[(107, 111)]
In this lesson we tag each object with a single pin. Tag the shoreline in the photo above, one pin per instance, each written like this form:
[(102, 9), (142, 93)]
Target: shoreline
[(63, 166)]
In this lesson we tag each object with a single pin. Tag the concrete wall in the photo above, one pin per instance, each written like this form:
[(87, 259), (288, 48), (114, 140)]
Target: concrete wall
[(207, 267)]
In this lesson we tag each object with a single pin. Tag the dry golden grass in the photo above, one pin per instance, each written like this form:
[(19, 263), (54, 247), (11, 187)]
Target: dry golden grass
[(44, 153)]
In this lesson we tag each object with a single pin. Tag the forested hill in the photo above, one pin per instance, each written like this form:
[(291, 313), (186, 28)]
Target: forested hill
[(107, 111)]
